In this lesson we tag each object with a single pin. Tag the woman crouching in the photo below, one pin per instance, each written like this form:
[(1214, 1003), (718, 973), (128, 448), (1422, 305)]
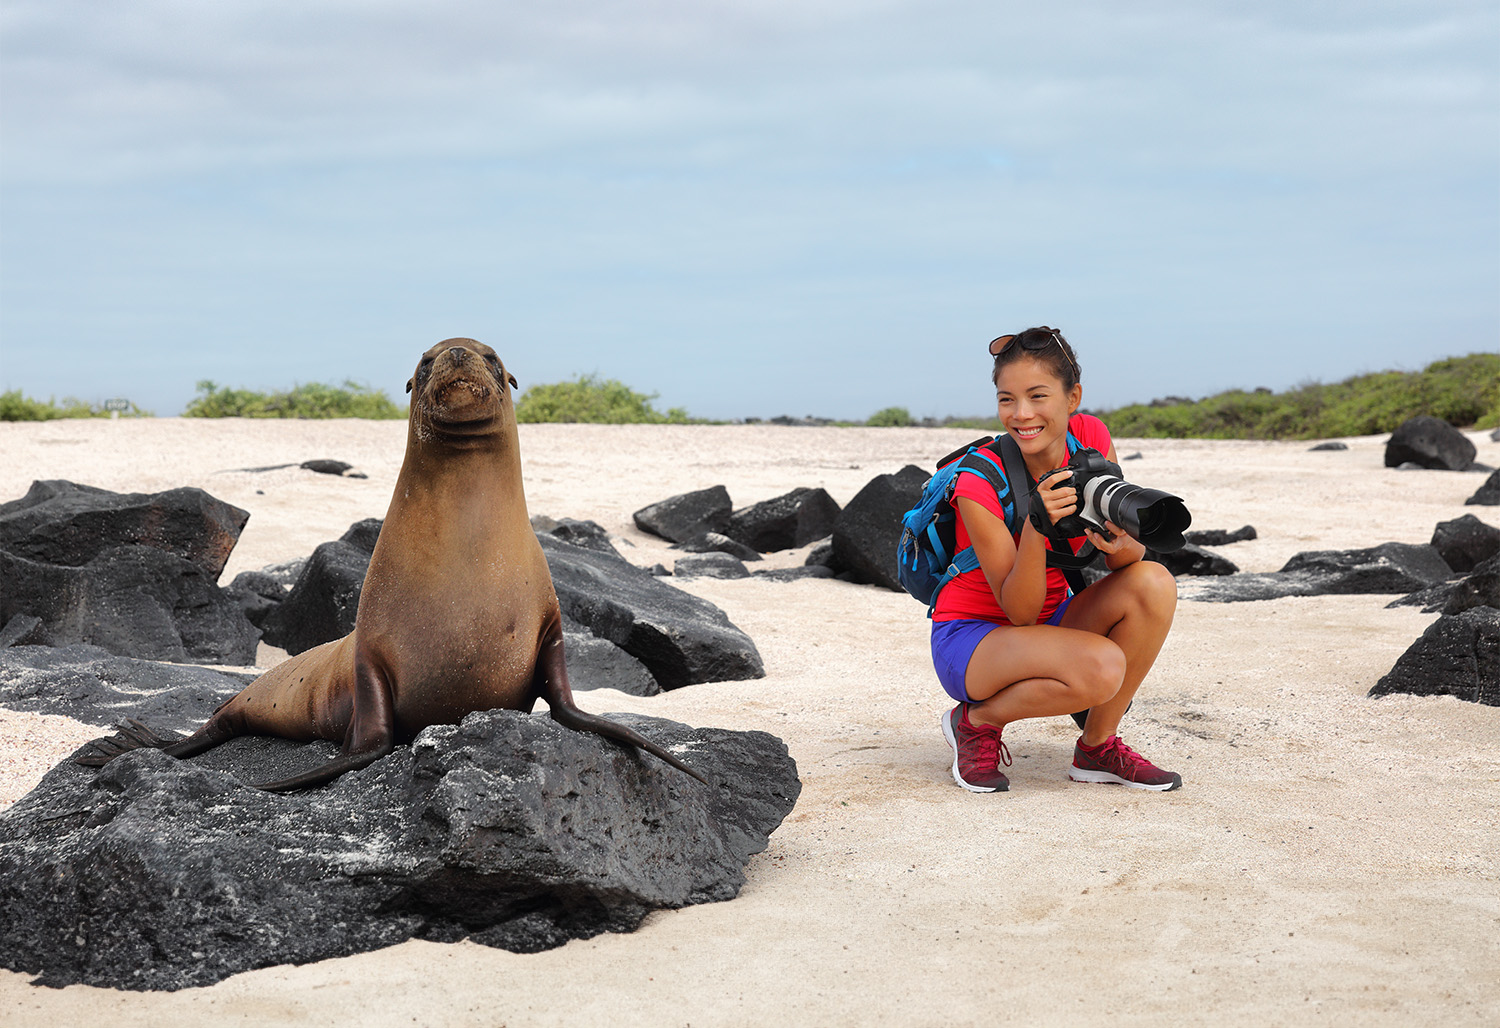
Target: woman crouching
[(1009, 640)]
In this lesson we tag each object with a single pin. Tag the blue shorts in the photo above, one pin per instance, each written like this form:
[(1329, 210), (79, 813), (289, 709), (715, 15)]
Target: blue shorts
[(953, 644)]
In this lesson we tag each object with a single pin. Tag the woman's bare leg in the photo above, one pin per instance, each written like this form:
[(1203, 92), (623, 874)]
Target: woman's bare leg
[(1040, 671), (1133, 608)]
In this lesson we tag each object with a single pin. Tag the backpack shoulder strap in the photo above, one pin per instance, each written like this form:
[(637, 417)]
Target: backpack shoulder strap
[(1065, 560)]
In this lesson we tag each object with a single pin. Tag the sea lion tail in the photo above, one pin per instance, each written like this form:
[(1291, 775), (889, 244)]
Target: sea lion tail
[(570, 716), (133, 735)]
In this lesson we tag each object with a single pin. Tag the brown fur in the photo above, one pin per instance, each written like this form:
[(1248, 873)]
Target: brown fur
[(457, 613)]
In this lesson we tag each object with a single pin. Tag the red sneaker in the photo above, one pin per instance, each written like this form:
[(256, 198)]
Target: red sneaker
[(1113, 761), (977, 752)]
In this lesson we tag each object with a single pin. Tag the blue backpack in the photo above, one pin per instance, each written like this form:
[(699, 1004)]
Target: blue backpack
[(925, 557)]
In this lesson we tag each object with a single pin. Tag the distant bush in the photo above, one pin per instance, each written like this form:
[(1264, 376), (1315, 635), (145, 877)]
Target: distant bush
[(590, 400), (313, 400), (1463, 391), (890, 417), (16, 407)]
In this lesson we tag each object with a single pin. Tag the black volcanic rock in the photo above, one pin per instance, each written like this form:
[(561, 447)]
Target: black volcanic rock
[(868, 529), (257, 594), (1219, 536), (1193, 560), (687, 515), (1458, 655), (713, 542), (785, 522), (589, 534), (133, 572), (63, 523), (323, 604), (1430, 442), (92, 685), (1387, 568), (710, 565), (507, 830), (137, 601), (1480, 588), (682, 640), (1488, 495), (595, 663), (795, 574), (1466, 542)]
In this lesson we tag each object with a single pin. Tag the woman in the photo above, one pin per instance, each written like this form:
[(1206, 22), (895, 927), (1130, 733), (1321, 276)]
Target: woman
[(1008, 640)]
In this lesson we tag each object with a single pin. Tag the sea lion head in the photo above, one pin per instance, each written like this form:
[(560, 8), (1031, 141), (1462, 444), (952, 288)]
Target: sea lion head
[(460, 388)]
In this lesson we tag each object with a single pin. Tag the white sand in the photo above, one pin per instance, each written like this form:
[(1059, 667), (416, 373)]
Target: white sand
[(1330, 858)]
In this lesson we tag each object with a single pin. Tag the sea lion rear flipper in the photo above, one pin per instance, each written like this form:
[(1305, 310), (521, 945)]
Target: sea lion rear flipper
[(552, 685), (370, 736)]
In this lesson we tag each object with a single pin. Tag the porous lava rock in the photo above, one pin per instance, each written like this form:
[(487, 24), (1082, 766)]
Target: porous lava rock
[(21, 630), (589, 534), (713, 542), (1219, 536), (1488, 494), (507, 830), (1458, 655), (682, 640), (326, 466), (710, 565), (135, 573), (785, 522), (1430, 442), (257, 593), (323, 604), (686, 515), (1193, 560), (1466, 542), (1479, 588), (1387, 568), (64, 523), (137, 601), (92, 685), (795, 574), (595, 663), (868, 529)]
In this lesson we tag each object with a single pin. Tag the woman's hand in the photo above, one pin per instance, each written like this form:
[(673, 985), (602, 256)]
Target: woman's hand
[(1057, 495), (1119, 549)]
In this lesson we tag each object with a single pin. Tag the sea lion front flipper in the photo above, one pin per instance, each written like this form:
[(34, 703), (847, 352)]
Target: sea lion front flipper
[(371, 733), (552, 685)]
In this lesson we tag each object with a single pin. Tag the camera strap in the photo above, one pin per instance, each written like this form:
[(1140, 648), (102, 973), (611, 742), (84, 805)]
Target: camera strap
[(1061, 555)]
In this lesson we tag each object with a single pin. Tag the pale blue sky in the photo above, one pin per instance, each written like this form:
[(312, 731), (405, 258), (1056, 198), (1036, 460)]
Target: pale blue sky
[(751, 208)]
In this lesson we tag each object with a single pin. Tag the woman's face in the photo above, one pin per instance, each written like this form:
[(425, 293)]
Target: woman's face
[(1034, 408)]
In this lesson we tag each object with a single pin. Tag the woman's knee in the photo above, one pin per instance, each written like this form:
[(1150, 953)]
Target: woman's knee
[(1101, 671), (1152, 587)]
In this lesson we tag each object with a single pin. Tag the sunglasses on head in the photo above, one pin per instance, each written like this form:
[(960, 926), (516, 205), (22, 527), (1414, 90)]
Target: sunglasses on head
[(1033, 339)]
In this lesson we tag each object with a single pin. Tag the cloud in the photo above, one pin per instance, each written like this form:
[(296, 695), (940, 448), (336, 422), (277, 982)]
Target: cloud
[(826, 186)]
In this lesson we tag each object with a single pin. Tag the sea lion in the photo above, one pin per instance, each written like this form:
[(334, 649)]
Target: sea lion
[(457, 614)]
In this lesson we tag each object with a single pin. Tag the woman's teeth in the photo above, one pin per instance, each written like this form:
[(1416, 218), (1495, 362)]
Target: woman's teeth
[(1027, 433)]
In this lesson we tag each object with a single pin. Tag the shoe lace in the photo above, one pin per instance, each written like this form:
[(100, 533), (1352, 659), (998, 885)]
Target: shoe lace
[(991, 747), (1124, 754)]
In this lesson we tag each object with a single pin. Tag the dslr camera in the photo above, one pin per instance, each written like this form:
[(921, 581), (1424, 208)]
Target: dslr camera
[(1155, 518)]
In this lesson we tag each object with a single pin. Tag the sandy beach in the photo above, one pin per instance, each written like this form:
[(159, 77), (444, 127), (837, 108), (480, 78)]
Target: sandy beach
[(1330, 858)]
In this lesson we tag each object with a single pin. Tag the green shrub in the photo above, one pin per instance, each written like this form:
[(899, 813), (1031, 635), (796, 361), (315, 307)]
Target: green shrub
[(588, 399), (890, 417), (1464, 391), (14, 406), (313, 400)]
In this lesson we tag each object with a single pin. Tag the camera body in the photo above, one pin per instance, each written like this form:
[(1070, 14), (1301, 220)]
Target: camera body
[(1156, 518)]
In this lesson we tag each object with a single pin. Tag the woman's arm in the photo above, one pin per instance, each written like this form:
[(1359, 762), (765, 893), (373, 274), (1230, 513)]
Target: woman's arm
[(1017, 574)]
